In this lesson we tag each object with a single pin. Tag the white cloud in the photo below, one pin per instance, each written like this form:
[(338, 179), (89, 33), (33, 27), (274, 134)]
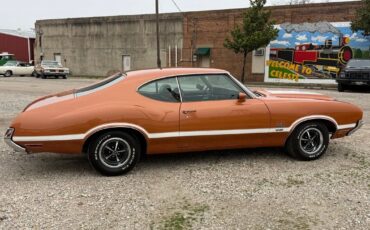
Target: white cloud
[(287, 35), (319, 38), (277, 42), (297, 43), (334, 38), (302, 37), (361, 40)]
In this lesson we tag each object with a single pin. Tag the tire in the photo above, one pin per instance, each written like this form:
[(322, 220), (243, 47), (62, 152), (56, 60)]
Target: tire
[(308, 141), (43, 76), (103, 153), (64, 77), (34, 74), (8, 73), (341, 87)]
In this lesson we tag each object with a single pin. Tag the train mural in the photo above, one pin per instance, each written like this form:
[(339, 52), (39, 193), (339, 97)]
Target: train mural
[(313, 51)]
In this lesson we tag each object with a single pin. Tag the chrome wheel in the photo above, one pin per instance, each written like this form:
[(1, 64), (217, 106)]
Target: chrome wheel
[(311, 141), (115, 152)]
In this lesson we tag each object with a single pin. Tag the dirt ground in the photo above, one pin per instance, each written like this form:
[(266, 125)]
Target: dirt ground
[(243, 189)]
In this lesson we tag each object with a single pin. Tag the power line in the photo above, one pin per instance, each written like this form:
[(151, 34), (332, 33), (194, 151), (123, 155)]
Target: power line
[(177, 6)]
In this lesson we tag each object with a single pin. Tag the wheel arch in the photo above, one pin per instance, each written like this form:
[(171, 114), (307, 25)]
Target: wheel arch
[(329, 122), (141, 137)]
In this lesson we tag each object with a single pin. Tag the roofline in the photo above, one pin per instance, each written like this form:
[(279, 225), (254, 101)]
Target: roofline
[(175, 15), (17, 35)]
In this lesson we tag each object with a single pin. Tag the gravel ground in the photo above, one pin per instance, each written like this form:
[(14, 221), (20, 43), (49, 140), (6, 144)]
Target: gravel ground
[(243, 189)]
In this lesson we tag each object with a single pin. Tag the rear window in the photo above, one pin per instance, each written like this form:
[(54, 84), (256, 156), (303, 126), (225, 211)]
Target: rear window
[(100, 85)]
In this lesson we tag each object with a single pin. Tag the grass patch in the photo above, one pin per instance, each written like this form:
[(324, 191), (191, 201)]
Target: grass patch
[(183, 218)]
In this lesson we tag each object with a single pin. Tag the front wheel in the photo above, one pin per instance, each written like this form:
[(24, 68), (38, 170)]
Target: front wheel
[(308, 141), (8, 73), (114, 153)]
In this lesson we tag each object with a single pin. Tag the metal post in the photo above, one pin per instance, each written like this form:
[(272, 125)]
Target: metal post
[(158, 47)]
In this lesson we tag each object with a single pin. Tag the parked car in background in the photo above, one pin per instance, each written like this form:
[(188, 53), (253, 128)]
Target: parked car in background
[(158, 111), (51, 69), (356, 72), (5, 57), (16, 68)]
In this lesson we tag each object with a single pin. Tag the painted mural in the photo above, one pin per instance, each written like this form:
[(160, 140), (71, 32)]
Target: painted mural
[(313, 52)]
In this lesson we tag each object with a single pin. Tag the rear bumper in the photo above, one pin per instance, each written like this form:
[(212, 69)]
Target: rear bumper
[(14, 146), (358, 126)]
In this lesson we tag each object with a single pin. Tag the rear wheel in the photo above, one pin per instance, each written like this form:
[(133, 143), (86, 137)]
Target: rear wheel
[(308, 141), (114, 153), (8, 73)]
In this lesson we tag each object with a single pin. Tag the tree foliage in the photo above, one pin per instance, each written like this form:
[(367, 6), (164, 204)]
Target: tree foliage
[(255, 32), (362, 20)]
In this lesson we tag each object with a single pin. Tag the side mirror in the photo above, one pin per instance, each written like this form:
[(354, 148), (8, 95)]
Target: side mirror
[(242, 97)]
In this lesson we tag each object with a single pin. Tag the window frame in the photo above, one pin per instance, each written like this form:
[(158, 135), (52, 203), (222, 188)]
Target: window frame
[(244, 89)]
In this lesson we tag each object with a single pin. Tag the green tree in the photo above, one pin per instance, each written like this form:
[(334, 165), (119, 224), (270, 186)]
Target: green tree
[(255, 32), (358, 53), (362, 20)]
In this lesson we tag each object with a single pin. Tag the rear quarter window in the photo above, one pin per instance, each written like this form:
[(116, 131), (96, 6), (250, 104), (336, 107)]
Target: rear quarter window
[(165, 90)]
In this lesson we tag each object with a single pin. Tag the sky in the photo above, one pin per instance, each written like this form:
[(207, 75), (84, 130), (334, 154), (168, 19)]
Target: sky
[(22, 14)]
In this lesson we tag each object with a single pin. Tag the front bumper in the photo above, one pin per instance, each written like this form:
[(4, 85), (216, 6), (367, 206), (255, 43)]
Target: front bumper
[(9, 141), (358, 126), (14, 146)]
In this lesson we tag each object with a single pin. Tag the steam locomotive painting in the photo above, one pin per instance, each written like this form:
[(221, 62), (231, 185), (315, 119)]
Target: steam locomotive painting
[(322, 47)]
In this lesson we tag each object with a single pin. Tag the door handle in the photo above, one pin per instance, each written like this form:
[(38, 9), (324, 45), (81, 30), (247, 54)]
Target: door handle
[(188, 111)]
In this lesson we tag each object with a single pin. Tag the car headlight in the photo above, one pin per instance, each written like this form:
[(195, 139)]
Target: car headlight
[(342, 74), (9, 133)]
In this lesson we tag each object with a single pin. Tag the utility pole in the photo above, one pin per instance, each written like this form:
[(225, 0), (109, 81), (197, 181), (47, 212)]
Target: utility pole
[(159, 65)]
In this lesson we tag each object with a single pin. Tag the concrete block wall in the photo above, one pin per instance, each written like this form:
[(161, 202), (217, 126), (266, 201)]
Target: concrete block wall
[(94, 46)]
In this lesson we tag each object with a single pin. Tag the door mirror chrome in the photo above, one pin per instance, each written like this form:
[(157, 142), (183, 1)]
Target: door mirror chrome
[(242, 97)]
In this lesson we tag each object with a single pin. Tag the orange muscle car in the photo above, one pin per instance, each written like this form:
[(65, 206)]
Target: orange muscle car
[(174, 110)]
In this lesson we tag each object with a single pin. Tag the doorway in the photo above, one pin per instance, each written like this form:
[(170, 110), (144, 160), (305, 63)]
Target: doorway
[(126, 63)]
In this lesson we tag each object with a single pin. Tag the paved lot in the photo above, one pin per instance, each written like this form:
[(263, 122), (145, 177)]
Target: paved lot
[(244, 189)]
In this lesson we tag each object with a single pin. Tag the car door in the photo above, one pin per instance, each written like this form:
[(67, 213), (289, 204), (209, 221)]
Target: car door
[(212, 117)]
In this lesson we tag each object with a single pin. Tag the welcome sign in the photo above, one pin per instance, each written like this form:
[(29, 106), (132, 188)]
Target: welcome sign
[(313, 52)]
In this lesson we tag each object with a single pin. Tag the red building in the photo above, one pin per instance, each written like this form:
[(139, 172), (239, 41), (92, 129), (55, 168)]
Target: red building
[(19, 43)]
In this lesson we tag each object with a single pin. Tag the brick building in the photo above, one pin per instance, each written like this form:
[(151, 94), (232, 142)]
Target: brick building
[(208, 30)]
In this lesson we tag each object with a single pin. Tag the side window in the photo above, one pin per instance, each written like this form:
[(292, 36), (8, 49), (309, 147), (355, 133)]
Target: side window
[(208, 88), (162, 90)]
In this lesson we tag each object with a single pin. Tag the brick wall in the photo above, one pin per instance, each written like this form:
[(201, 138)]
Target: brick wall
[(210, 28)]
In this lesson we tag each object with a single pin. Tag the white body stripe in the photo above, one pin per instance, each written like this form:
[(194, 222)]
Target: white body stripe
[(292, 92), (180, 134)]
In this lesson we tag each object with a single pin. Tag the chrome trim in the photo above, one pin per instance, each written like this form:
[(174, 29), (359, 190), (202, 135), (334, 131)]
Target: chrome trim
[(14, 146), (360, 123)]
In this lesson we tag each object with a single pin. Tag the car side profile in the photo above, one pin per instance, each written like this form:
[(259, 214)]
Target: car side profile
[(16, 68), (118, 120)]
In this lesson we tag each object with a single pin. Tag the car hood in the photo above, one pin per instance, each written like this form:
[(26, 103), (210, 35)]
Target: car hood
[(292, 94)]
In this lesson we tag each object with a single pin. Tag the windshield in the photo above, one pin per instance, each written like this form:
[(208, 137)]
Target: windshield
[(11, 64), (358, 63), (51, 64)]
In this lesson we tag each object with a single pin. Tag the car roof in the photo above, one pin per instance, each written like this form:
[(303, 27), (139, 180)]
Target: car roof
[(152, 74)]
